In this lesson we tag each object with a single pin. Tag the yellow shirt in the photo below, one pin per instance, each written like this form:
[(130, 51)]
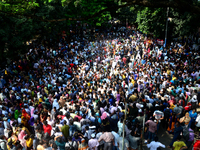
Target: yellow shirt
[(173, 78), (172, 107), (29, 142), (132, 81), (168, 72), (178, 144)]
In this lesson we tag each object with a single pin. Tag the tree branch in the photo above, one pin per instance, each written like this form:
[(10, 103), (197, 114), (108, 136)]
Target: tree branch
[(182, 5)]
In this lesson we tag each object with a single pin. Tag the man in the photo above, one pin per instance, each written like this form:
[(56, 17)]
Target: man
[(93, 143), (101, 144), (120, 143), (152, 129), (197, 122), (47, 128), (177, 131), (178, 110), (108, 138), (155, 144), (159, 115), (70, 145), (3, 142), (179, 145), (65, 129), (116, 135)]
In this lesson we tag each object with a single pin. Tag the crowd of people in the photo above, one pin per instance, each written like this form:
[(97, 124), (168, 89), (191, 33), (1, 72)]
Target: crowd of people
[(73, 96)]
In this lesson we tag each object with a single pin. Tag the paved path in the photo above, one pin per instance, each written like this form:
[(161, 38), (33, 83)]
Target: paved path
[(164, 137)]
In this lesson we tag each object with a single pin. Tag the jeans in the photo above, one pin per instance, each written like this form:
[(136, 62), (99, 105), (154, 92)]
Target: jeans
[(158, 126), (108, 146), (189, 143), (115, 148), (151, 136), (100, 147)]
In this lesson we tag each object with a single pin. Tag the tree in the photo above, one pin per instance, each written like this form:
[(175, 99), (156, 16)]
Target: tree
[(151, 21), (24, 20)]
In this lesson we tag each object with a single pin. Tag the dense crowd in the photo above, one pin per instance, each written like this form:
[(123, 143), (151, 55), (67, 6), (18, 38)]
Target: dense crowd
[(73, 96)]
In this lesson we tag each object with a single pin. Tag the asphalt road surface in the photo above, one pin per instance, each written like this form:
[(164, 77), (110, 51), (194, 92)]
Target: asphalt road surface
[(164, 137)]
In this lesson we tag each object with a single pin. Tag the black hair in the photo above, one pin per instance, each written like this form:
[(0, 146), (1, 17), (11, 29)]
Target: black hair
[(156, 139)]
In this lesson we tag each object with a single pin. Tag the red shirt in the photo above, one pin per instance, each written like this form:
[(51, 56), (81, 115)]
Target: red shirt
[(79, 117), (72, 65), (196, 145), (47, 129)]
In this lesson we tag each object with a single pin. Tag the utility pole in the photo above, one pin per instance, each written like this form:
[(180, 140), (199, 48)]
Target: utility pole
[(143, 129), (124, 121), (166, 27)]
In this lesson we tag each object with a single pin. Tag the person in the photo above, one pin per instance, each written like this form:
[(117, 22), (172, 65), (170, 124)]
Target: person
[(73, 79), (185, 120), (177, 145), (152, 129), (71, 145), (65, 129), (193, 116), (116, 135), (154, 145), (197, 123), (3, 142), (196, 145), (29, 141), (101, 143), (171, 123), (93, 143), (159, 115), (133, 140), (83, 145), (59, 142), (190, 139), (47, 128), (120, 143), (177, 131), (108, 138)]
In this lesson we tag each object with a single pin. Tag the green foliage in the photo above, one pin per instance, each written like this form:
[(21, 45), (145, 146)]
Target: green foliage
[(184, 23), (152, 21), (23, 20)]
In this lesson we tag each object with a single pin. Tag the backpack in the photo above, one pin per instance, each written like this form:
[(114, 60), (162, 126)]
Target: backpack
[(70, 147), (188, 133), (167, 113)]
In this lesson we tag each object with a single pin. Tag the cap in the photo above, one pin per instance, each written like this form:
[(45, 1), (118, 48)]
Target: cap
[(93, 135)]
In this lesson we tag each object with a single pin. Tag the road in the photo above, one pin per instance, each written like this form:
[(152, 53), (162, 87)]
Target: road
[(165, 138)]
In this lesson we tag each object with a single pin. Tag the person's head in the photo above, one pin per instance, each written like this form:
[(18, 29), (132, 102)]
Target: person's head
[(177, 124), (2, 137), (156, 139), (179, 138), (45, 123), (86, 128), (187, 114), (193, 110), (65, 122), (69, 138)]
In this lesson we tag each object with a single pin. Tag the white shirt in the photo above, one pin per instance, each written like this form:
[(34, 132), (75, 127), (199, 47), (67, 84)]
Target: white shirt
[(116, 137), (154, 145), (198, 121)]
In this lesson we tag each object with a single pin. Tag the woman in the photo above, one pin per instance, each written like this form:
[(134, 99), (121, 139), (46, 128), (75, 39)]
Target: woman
[(25, 115), (172, 122), (31, 123), (185, 120), (16, 114), (24, 121), (83, 145), (59, 142), (193, 116), (21, 136)]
